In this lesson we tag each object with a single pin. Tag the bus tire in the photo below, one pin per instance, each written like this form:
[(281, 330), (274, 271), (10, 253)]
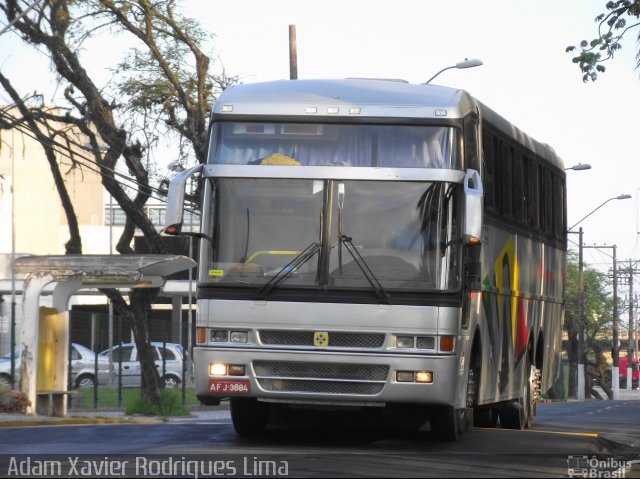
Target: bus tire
[(485, 417), (518, 414), (449, 423), (249, 416)]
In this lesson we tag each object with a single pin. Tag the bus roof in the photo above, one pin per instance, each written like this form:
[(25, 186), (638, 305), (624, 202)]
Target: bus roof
[(365, 98)]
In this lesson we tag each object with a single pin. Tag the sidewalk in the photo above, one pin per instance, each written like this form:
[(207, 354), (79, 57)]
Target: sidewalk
[(627, 394), (100, 416)]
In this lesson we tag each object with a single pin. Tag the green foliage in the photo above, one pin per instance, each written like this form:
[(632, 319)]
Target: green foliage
[(108, 397), (612, 26), (598, 304), (170, 405)]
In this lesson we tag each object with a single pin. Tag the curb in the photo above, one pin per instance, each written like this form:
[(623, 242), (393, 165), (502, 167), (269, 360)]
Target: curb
[(76, 421)]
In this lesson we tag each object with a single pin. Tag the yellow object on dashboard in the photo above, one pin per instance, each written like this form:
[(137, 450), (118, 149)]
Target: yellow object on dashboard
[(278, 159)]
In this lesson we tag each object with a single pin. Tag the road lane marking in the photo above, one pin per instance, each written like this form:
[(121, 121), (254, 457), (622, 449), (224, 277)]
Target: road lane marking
[(558, 433), (561, 433)]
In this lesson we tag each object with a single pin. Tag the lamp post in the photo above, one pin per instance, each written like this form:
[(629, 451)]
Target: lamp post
[(619, 197), (581, 389), (474, 62), (579, 167)]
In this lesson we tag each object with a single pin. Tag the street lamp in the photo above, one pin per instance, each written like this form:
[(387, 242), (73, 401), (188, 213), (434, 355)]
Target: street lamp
[(579, 167), (581, 382), (474, 62), (619, 197)]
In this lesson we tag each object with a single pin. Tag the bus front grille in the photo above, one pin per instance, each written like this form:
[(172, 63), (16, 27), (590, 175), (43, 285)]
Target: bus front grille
[(337, 339), (320, 387), (323, 378)]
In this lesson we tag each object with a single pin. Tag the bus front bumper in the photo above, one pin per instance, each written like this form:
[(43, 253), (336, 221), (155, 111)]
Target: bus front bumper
[(327, 377)]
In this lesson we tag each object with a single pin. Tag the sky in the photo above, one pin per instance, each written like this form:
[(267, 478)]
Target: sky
[(527, 76)]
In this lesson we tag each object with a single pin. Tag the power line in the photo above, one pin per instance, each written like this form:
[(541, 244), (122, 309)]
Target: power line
[(15, 20), (88, 163)]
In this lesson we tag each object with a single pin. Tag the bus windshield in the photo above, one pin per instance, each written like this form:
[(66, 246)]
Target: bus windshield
[(311, 144), (407, 234)]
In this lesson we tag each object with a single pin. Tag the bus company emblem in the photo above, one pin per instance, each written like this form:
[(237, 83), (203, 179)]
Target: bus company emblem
[(320, 338)]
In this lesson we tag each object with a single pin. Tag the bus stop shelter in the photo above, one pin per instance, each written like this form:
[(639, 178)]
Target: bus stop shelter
[(44, 343)]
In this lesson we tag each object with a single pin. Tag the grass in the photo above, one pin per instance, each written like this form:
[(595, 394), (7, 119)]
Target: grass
[(170, 405), (108, 399)]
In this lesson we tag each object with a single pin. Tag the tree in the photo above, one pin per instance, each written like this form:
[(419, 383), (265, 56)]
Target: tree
[(162, 86), (621, 16), (8, 121), (598, 314)]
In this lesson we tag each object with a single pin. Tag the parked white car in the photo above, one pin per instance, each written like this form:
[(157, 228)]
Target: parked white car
[(169, 369), (82, 368)]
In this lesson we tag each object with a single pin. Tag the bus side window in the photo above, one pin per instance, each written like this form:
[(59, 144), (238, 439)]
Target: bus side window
[(548, 202), (519, 191), (533, 196), (541, 203), (558, 211), (506, 166), (489, 172), (471, 143)]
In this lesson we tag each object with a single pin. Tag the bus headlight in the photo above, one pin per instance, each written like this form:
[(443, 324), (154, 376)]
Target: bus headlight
[(405, 376), (414, 376), (217, 369), (426, 342), (404, 342), (424, 377), (219, 336), (239, 336)]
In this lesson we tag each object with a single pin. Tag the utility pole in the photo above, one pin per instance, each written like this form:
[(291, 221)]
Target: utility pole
[(615, 352), (580, 394), (293, 53), (630, 342), (634, 366), (615, 342)]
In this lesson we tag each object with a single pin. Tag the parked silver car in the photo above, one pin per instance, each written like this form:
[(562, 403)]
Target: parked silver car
[(168, 362), (82, 368)]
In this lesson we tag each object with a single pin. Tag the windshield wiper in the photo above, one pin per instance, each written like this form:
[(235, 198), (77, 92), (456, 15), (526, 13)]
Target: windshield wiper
[(300, 259), (364, 267)]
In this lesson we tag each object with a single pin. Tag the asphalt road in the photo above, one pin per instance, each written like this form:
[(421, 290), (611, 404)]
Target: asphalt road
[(600, 437)]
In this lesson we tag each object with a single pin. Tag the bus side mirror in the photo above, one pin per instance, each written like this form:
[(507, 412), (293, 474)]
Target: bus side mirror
[(473, 203), (175, 200)]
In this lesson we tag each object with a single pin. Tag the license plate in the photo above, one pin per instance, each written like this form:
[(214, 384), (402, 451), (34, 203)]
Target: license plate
[(229, 386)]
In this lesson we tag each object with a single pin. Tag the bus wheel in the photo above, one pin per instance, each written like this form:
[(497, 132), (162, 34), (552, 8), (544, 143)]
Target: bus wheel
[(485, 417), (518, 414), (249, 416), (449, 423)]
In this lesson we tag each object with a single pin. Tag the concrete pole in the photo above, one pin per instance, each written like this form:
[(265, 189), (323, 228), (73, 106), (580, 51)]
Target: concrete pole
[(580, 395), (293, 53), (615, 352), (630, 336)]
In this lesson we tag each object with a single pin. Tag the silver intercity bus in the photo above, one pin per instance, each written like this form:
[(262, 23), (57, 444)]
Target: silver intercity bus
[(375, 244)]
